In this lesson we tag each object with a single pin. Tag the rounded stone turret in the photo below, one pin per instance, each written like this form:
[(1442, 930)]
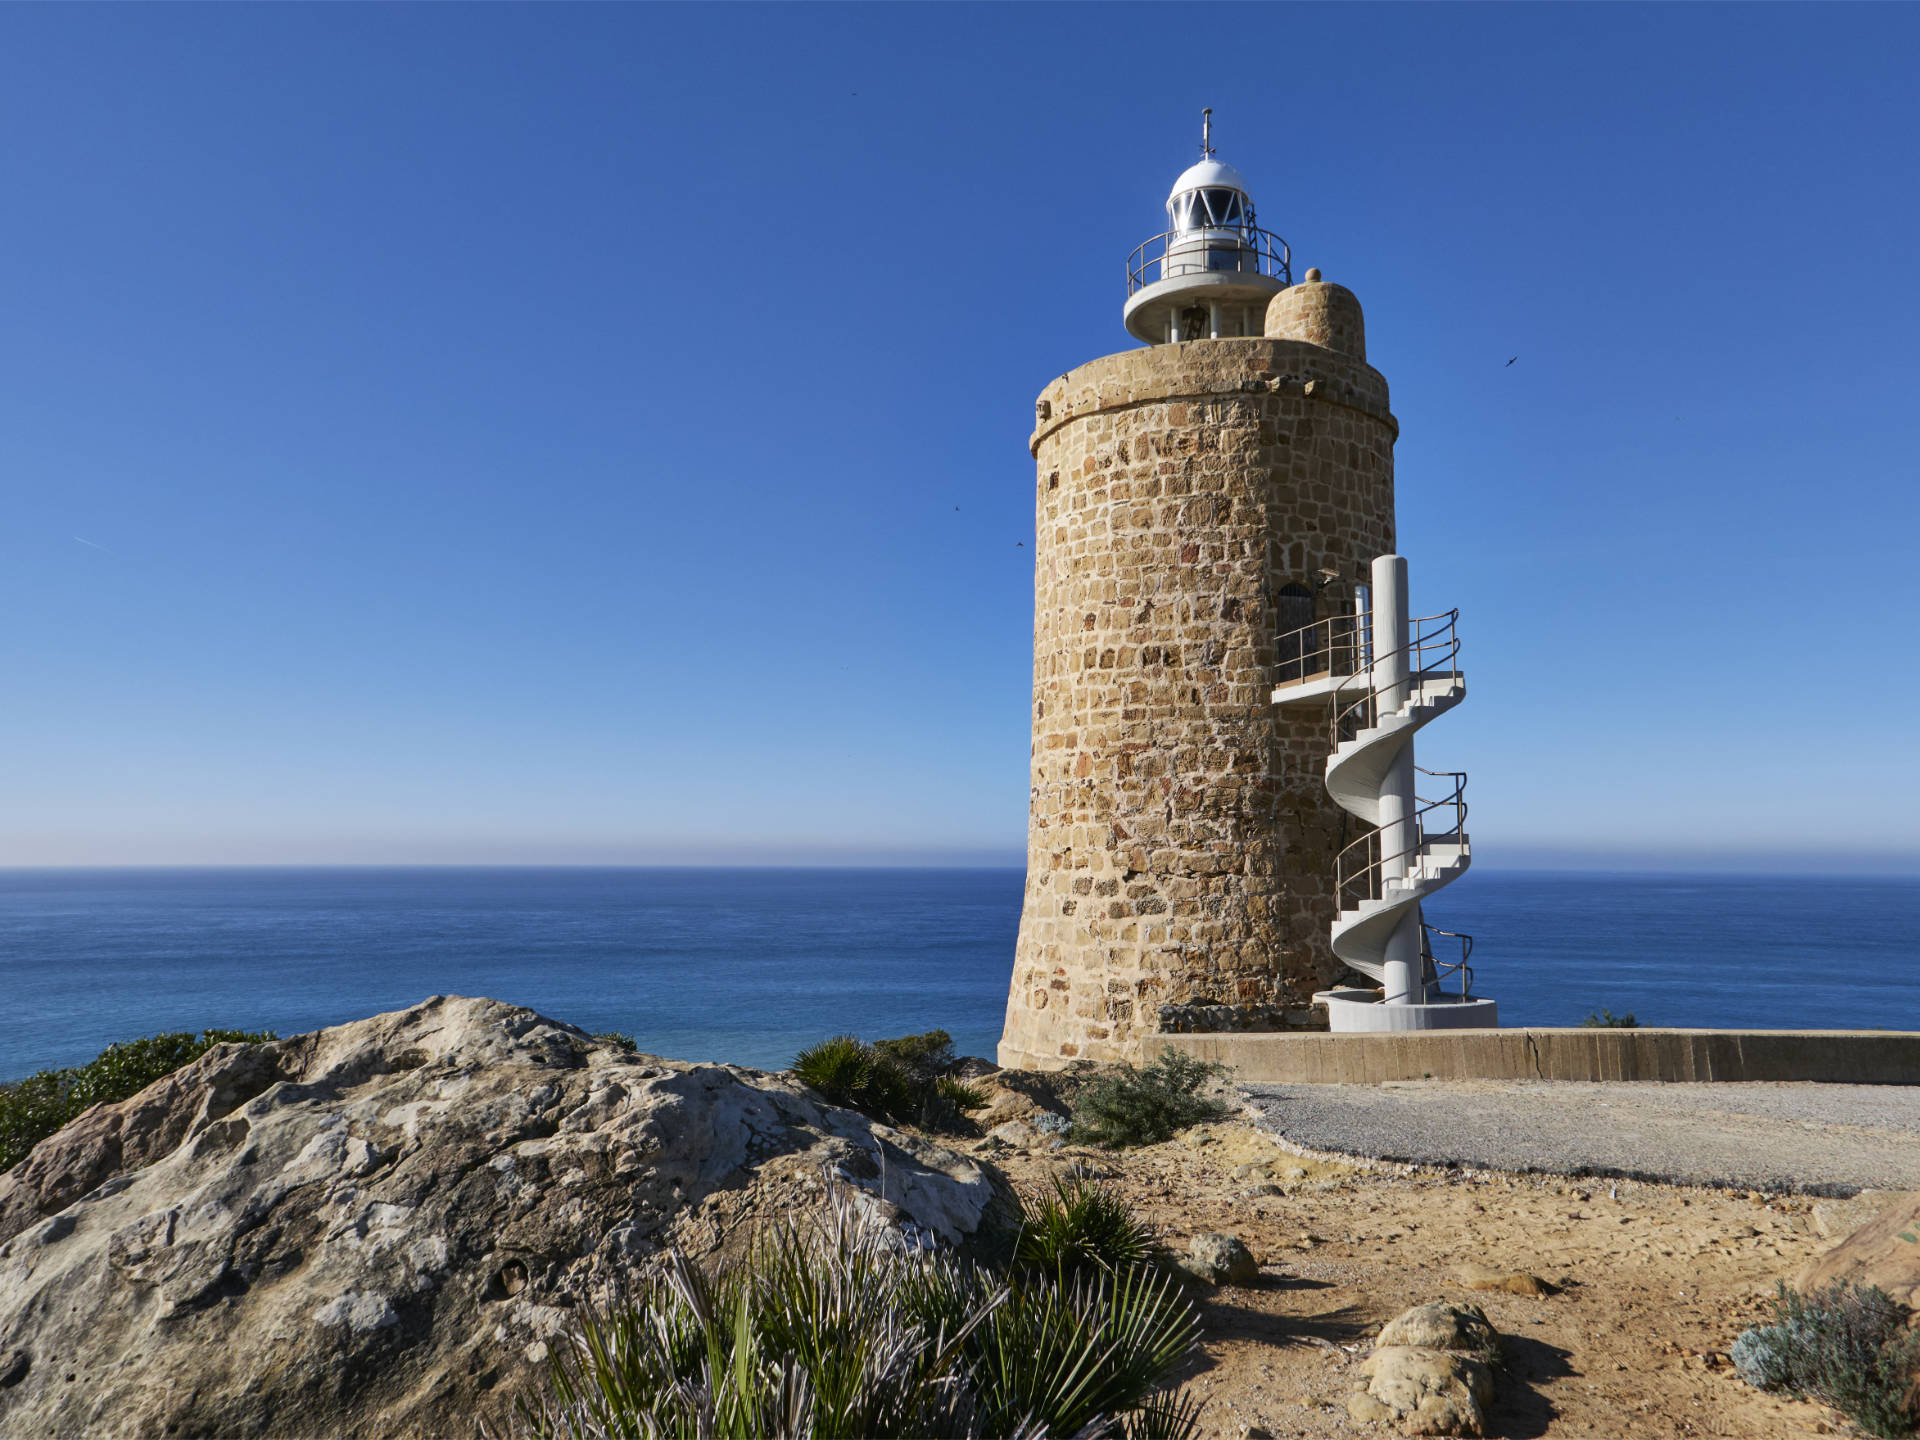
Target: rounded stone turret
[(1321, 313), (1196, 501)]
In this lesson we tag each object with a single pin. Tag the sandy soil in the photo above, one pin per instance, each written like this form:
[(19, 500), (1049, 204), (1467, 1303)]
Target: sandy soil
[(1651, 1283)]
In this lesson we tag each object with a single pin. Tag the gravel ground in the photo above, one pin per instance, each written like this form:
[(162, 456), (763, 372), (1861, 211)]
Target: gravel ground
[(1818, 1139)]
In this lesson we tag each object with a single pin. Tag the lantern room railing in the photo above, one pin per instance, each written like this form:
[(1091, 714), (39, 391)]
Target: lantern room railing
[(1249, 251)]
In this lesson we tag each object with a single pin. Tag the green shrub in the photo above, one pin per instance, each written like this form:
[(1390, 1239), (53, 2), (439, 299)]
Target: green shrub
[(925, 1057), (837, 1068), (903, 1081), (34, 1108), (1607, 1020), (842, 1334), (1130, 1106), (1082, 1227), (964, 1097), (617, 1037), (1848, 1346)]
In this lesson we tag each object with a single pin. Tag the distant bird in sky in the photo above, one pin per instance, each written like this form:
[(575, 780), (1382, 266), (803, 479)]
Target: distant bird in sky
[(84, 541), (1514, 358)]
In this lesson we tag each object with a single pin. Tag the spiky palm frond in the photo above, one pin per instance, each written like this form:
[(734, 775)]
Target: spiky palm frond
[(1081, 1226), (1069, 1354), (1163, 1415)]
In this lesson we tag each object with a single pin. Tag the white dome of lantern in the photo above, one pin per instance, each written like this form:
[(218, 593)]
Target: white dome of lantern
[(1211, 193), (1213, 271)]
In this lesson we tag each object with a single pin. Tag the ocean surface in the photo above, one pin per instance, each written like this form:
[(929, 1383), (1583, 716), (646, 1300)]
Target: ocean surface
[(750, 965)]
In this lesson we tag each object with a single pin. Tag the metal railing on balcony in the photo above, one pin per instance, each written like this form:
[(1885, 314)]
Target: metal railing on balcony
[(1247, 251), (1337, 646)]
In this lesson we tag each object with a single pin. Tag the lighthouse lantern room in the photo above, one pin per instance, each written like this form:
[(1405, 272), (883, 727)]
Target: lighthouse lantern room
[(1211, 273)]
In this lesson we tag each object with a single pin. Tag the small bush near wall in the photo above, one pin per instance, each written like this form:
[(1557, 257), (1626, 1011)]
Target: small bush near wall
[(1607, 1020), (1129, 1106)]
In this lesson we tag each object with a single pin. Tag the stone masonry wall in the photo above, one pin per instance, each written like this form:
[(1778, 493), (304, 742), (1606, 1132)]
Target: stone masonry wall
[(1181, 841)]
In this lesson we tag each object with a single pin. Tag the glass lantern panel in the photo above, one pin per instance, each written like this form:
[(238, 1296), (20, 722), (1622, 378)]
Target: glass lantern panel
[(1224, 206)]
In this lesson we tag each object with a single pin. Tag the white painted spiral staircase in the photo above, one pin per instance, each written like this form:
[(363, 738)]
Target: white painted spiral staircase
[(1385, 678)]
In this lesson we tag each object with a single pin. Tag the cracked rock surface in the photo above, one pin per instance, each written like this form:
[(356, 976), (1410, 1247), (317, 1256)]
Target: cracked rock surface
[(378, 1228)]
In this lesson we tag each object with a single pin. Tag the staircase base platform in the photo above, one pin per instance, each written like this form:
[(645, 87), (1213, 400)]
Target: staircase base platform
[(1360, 1012), (1844, 1057)]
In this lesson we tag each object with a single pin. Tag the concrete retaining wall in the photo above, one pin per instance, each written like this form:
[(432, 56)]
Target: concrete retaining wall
[(1855, 1057)]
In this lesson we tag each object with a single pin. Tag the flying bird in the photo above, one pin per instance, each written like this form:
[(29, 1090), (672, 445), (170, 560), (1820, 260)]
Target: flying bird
[(1514, 358)]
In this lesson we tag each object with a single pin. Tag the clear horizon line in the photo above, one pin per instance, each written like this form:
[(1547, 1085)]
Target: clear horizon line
[(1757, 868)]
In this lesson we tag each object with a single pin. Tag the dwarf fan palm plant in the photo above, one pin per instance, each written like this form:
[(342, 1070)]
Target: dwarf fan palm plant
[(1082, 1226), (847, 1333)]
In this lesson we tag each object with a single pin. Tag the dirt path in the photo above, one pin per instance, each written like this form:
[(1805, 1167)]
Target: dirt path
[(1815, 1139), (1651, 1285)]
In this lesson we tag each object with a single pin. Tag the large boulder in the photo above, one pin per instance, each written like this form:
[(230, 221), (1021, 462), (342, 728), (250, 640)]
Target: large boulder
[(1428, 1391), (1883, 1252), (380, 1228), (1430, 1371)]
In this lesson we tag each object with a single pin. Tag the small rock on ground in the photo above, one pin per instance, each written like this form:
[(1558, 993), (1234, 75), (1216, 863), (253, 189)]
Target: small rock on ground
[(1511, 1282), (1221, 1260)]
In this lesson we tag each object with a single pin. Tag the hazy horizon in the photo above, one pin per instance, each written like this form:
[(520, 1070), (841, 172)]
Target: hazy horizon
[(1816, 865)]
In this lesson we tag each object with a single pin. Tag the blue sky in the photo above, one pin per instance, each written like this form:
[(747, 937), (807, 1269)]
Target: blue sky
[(597, 435)]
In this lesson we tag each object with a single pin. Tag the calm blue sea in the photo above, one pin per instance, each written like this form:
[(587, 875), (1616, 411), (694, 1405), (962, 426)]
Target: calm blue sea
[(749, 965)]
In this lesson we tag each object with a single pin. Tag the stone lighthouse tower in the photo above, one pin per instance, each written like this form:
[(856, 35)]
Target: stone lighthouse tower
[(1198, 499)]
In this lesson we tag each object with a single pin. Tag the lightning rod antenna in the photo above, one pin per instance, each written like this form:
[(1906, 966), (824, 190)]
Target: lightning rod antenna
[(1206, 131)]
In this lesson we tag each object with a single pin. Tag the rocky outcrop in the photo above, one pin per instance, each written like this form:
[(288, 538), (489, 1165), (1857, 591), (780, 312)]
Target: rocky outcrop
[(380, 1228), (1884, 1252)]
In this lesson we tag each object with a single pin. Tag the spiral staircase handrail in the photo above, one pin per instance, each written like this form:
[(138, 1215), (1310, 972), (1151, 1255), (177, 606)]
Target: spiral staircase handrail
[(1369, 874), (1375, 892), (1442, 968), (1443, 641)]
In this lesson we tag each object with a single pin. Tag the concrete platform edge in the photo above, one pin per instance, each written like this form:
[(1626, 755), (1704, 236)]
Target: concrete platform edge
[(1839, 1057)]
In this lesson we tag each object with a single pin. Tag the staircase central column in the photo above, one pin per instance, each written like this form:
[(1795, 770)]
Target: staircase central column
[(1393, 679)]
